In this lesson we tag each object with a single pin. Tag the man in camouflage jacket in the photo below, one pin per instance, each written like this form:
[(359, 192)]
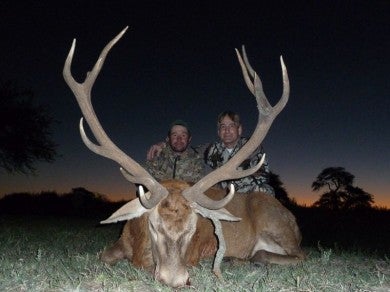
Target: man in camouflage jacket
[(177, 160), (218, 153)]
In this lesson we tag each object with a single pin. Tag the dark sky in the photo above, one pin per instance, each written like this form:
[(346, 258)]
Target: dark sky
[(178, 61)]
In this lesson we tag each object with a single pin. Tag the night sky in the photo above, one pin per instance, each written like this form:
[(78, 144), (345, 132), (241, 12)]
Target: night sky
[(178, 61)]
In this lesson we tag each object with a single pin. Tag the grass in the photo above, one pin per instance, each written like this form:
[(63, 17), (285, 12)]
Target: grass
[(61, 254)]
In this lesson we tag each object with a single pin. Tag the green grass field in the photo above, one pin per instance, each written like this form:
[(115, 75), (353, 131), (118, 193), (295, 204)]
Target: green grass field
[(47, 253)]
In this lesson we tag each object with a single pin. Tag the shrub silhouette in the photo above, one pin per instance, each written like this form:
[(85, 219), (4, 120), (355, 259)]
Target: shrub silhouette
[(80, 203)]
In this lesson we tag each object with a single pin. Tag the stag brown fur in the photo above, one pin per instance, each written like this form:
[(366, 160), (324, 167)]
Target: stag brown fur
[(266, 233)]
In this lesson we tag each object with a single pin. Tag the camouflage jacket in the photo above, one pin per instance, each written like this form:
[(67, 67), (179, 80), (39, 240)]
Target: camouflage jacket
[(188, 166), (217, 155)]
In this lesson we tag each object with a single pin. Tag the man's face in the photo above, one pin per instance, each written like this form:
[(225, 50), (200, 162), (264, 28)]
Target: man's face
[(179, 139), (229, 132)]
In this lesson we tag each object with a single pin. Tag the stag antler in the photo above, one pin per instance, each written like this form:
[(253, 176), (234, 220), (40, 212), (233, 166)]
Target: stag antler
[(82, 91), (267, 114), (229, 171)]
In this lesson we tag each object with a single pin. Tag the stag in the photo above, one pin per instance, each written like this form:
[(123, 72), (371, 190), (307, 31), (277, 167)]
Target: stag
[(175, 224)]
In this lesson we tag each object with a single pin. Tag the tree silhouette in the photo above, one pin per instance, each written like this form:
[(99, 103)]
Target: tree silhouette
[(25, 136), (280, 192), (357, 198), (341, 193)]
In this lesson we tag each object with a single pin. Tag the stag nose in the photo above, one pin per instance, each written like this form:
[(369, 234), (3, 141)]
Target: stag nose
[(174, 279)]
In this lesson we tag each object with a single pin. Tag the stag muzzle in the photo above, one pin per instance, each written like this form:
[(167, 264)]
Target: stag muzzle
[(175, 279)]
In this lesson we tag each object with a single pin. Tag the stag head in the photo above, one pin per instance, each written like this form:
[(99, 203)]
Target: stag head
[(171, 206)]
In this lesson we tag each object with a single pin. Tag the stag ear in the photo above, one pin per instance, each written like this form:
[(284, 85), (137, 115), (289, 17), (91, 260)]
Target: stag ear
[(132, 209)]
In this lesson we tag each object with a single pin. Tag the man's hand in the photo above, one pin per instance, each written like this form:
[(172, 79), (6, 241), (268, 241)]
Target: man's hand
[(155, 151)]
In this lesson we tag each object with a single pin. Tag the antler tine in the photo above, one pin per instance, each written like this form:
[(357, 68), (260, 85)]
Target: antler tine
[(267, 114), (246, 61), (105, 147)]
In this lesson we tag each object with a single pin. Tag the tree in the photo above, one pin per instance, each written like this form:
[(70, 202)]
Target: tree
[(357, 198), (25, 136), (280, 192), (341, 194)]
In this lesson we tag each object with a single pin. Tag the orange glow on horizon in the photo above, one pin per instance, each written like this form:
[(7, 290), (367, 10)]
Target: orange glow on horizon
[(302, 196)]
